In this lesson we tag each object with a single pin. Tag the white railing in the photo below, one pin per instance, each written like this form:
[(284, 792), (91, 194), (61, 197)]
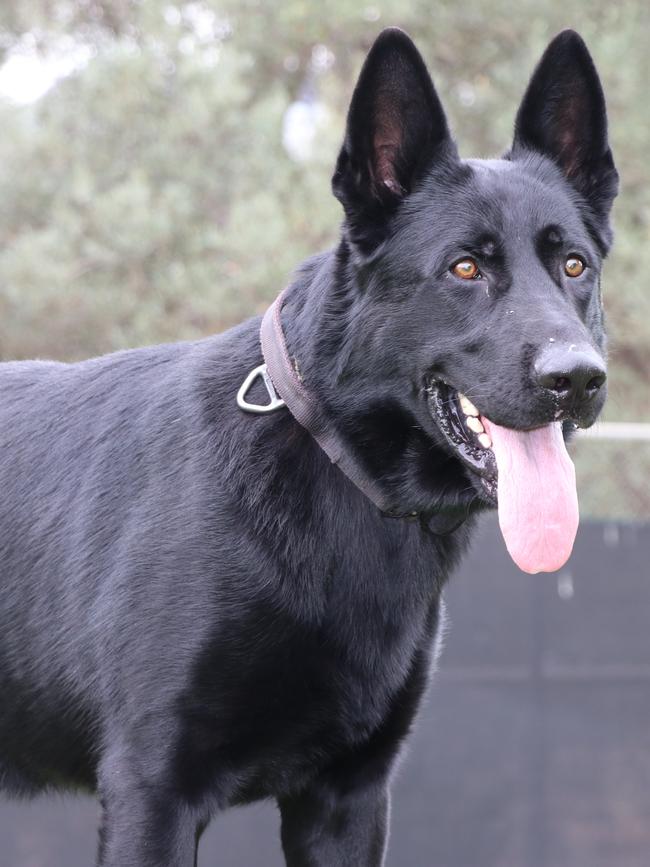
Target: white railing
[(618, 430)]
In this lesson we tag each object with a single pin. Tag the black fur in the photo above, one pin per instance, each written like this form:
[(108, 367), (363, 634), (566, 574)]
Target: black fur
[(197, 608)]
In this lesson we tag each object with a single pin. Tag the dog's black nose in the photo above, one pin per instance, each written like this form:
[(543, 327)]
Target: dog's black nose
[(575, 373)]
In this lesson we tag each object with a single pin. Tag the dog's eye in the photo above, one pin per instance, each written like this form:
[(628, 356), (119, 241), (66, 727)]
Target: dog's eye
[(574, 266), (466, 268)]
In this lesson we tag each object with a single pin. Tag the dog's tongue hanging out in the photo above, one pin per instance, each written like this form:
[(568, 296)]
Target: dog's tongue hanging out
[(538, 502)]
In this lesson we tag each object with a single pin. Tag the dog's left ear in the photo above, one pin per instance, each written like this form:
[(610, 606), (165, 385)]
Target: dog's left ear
[(395, 126), (563, 116)]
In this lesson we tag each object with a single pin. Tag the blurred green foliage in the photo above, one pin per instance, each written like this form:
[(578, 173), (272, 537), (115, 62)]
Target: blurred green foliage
[(148, 196)]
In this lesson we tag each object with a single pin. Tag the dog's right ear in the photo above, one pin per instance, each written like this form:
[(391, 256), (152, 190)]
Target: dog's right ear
[(395, 127)]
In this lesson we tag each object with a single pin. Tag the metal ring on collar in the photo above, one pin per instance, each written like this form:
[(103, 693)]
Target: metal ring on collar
[(275, 402)]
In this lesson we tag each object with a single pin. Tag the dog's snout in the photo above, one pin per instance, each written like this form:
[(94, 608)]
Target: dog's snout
[(575, 374)]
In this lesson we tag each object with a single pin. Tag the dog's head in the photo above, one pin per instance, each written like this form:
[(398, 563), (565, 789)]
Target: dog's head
[(475, 313)]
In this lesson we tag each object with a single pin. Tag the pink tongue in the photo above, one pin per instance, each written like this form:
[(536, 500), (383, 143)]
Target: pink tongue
[(538, 502)]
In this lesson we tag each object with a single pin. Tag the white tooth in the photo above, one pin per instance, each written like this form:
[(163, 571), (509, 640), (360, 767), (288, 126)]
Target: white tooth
[(474, 424), (485, 440), (466, 405)]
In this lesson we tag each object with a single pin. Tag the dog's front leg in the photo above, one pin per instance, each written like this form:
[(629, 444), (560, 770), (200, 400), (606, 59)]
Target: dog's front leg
[(331, 825), (146, 827)]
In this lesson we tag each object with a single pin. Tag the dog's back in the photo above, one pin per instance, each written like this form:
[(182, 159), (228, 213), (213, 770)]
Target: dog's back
[(104, 469)]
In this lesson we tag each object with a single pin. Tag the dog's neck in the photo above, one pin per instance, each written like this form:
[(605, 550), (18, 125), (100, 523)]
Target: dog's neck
[(322, 321)]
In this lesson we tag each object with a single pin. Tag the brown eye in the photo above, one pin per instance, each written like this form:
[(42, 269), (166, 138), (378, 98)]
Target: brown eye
[(466, 268), (574, 266)]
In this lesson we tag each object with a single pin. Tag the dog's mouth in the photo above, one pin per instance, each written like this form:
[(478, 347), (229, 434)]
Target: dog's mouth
[(463, 428), (528, 474)]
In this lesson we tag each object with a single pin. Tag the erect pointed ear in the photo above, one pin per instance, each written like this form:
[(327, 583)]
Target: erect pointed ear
[(563, 116), (395, 126)]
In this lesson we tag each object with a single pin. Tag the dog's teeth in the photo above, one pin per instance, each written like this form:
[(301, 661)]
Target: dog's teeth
[(474, 424), (467, 406), (485, 440)]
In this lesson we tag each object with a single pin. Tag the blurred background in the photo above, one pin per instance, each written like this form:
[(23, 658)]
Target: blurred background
[(164, 166)]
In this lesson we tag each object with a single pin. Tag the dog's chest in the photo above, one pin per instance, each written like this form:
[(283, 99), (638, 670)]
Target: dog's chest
[(278, 698)]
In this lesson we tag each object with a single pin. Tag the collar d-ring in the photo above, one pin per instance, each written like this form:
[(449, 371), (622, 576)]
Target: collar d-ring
[(275, 401)]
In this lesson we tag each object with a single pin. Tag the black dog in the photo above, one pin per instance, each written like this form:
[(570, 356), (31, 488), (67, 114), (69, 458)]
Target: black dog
[(199, 608)]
